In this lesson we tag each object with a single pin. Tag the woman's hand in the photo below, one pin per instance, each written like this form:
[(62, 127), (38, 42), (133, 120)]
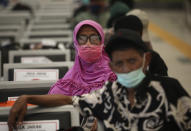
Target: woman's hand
[(17, 112)]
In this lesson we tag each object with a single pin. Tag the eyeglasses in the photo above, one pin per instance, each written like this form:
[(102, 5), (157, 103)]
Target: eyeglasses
[(94, 39)]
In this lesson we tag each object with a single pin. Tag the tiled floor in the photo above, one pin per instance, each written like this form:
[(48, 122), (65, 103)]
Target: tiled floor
[(173, 21)]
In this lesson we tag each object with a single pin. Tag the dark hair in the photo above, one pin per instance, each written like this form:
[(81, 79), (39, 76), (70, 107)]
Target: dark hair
[(112, 20), (130, 22), (125, 39), (129, 3), (120, 45), (116, 10)]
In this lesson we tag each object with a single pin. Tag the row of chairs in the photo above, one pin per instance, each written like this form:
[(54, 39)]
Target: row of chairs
[(60, 117), (63, 116), (49, 22), (37, 59)]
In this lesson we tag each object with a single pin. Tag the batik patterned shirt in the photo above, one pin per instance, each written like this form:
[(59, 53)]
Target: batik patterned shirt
[(161, 104)]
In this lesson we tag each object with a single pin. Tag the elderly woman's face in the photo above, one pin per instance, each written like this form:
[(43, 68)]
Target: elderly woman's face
[(88, 35)]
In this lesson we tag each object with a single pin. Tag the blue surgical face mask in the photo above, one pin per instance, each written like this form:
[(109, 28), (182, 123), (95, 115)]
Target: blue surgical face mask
[(131, 79)]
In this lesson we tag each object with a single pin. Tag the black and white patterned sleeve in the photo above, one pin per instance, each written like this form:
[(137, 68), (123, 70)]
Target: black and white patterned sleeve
[(89, 104), (180, 105)]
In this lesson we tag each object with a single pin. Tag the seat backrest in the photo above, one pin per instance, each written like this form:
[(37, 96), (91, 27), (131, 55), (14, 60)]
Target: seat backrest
[(67, 116), (63, 67), (9, 90)]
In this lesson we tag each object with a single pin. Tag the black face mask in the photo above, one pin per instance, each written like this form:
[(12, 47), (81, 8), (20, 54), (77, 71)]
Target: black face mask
[(95, 9)]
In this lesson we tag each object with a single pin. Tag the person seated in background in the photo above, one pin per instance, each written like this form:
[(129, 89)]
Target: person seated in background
[(96, 10), (4, 3), (22, 7), (89, 72), (129, 3), (117, 9), (137, 100), (83, 6), (143, 16), (157, 65)]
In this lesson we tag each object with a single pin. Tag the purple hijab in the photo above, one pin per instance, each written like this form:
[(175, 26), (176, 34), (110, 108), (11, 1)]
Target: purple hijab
[(84, 77)]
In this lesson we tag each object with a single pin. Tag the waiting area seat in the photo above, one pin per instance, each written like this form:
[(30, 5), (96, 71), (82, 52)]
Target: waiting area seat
[(10, 73), (10, 90), (57, 118)]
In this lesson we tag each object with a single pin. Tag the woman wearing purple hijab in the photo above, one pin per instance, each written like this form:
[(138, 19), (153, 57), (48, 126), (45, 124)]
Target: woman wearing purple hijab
[(89, 72)]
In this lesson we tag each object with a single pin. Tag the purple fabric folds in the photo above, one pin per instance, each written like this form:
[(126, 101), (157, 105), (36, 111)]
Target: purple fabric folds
[(84, 77)]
